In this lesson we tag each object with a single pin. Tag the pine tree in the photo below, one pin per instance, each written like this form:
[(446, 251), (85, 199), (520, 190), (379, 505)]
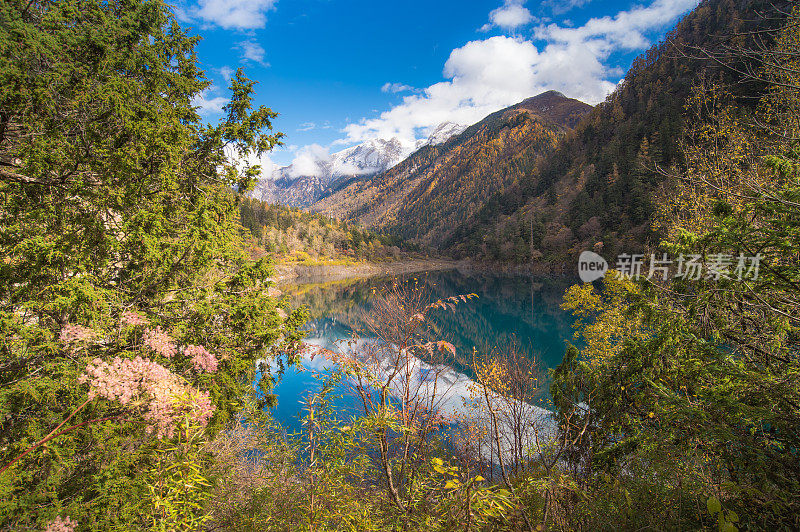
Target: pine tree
[(115, 198)]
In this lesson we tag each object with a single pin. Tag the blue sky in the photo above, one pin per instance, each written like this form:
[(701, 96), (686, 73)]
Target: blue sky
[(343, 72)]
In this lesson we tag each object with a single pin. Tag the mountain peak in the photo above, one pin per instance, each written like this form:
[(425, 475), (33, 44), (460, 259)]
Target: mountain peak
[(555, 106), (301, 184), (550, 93), (441, 134)]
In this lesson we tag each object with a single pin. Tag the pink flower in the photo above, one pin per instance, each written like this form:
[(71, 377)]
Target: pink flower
[(202, 360), (132, 318), (75, 333), (160, 342), (59, 525), (142, 383)]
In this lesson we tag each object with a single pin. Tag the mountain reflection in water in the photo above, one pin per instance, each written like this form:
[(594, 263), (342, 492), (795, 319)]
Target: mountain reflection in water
[(517, 310)]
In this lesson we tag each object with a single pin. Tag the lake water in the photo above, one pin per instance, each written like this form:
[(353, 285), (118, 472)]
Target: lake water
[(517, 310)]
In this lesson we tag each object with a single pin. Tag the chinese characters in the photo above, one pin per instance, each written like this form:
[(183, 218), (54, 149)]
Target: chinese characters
[(692, 267)]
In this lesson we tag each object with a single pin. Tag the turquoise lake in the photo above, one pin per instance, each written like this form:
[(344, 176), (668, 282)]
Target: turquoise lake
[(519, 310)]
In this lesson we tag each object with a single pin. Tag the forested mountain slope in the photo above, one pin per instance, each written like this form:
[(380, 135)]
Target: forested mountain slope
[(293, 235), (428, 195), (599, 184)]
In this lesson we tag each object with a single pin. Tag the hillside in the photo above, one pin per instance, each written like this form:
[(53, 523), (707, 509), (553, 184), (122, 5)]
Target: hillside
[(599, 184), (294, 236), (428, 195), (550, 176)]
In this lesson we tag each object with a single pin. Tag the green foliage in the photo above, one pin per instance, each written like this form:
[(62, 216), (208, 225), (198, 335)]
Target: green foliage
[(469, 500), (689, 388), (178, 488), (114, 197), (325, 478)]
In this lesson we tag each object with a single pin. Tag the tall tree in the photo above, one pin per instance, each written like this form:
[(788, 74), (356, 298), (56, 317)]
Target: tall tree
[(117, 207), (694, 382)]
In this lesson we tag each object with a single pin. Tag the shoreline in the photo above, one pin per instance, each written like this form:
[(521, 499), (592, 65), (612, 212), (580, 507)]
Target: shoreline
[(289, 273), (318, 273)]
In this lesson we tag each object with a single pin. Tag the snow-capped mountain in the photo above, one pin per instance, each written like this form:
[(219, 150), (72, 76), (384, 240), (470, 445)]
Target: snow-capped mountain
[(371, 157), (315, 175), (442, 134)]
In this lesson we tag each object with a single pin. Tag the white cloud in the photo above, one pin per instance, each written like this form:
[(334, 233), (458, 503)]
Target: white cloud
[(253, 51), (268, 168), (234, 14), (394, 88), (624, 31), (559, 7), (306, 126), (508, 17), (486, 75), (227, 73), (208, 104), (309, 161)]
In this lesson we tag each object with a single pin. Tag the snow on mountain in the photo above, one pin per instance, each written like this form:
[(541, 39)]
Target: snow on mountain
[(441, 134), (315, 173), (371, 157)]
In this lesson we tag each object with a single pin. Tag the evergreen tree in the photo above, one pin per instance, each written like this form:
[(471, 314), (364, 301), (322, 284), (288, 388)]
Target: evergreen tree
[(694, 383), (116, 208)]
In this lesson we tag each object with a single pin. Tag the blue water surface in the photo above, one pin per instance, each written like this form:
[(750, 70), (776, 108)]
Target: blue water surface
[(509, 310)]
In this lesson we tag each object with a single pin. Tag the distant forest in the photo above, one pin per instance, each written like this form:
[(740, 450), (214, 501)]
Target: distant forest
[(291, 233)]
